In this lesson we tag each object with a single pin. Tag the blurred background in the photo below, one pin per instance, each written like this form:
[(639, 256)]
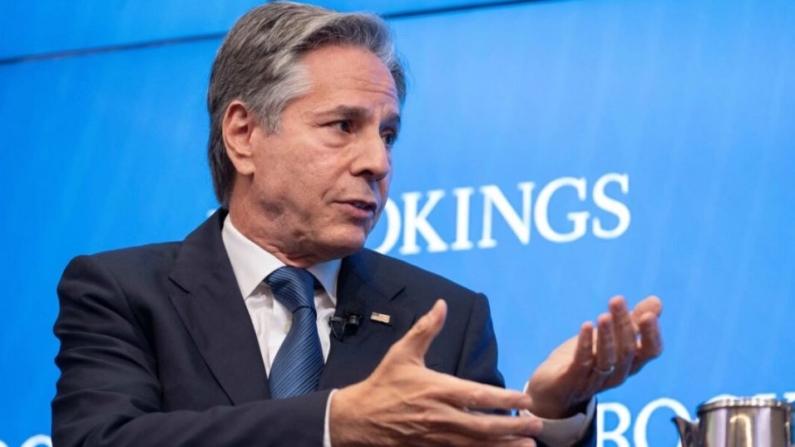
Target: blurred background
[(553, 154)]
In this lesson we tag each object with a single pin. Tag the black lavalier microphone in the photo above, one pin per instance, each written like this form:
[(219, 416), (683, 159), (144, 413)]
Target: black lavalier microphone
[(349, 322)]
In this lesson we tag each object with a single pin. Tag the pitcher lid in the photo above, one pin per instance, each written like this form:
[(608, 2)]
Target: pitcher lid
[(744, 402)]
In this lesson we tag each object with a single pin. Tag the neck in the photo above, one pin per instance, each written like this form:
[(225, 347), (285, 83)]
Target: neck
[(265, 232)]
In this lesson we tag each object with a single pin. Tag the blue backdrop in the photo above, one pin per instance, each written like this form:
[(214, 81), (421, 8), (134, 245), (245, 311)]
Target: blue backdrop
[(573, 150)]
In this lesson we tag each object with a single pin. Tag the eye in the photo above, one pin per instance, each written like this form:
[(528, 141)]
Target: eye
[(343, 126), (389, 138)]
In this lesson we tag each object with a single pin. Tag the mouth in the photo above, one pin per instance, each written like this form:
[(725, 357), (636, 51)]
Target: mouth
[(362, 205), (360, 208)]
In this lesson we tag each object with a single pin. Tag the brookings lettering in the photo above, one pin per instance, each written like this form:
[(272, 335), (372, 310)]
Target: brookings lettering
[(412, 218)]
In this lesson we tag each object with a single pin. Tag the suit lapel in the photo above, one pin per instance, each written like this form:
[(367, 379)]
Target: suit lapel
[(205, 293), (354, 357)]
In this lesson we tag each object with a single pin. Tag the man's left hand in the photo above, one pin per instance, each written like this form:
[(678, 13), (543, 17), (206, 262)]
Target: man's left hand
[(597, 359)]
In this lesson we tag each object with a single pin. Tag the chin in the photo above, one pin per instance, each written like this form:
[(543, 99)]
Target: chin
[(345, 243)]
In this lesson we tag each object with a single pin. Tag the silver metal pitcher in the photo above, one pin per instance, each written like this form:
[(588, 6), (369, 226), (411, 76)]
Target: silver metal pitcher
[(742, 422)]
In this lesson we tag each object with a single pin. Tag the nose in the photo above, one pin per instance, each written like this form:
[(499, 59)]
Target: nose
[(372, 158)]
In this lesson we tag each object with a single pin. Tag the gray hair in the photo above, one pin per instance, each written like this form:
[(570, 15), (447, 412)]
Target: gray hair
[(259, 63)]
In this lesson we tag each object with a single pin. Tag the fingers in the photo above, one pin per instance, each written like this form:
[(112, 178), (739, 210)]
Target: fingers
[(461, 440), (478, 429), (484, 426), (651, 345), (598, 359), (645, 317), (463, 393), (628, 351), (583, 355), (457, 392), (412, 413), (415, 343), (651, 304), (605, 343), (626, 335), (407, 404)]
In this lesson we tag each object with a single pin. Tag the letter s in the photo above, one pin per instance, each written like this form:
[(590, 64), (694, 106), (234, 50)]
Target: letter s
[(611, 205)]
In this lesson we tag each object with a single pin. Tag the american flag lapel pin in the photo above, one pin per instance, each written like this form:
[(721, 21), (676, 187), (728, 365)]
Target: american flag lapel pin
[(381, 318)]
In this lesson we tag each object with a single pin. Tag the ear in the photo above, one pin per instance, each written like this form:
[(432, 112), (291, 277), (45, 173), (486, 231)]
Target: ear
[(240, 126)]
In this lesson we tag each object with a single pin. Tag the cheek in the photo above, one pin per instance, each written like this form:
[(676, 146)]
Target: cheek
[(383, 186)]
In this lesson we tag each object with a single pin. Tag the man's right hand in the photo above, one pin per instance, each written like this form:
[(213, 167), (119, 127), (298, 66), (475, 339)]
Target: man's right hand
[(404, 403)]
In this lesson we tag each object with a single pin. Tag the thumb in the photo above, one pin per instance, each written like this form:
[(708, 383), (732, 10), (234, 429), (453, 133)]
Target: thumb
[(415, 343)]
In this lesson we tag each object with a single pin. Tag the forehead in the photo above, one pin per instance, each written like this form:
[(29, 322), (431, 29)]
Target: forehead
[(349, 74)]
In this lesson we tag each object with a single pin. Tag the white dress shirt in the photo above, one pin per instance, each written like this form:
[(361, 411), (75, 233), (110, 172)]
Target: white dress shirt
[(271, 320)]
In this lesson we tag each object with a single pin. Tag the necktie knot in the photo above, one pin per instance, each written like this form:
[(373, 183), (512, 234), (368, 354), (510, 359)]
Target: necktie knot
[(293, 287)]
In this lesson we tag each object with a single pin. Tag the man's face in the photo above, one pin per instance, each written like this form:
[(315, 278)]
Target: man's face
[(321, 181)]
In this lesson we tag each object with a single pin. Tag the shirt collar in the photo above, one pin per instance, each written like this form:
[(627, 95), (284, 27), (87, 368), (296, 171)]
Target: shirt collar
[(251, 263)]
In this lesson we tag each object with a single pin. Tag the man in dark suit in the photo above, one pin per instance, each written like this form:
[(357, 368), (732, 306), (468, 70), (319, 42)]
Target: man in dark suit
[(223, 339)]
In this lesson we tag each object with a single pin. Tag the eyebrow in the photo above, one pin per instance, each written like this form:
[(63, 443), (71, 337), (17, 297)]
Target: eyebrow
[(360, 113)]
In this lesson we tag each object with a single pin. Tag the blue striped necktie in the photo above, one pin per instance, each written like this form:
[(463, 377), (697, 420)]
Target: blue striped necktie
[(299, 361)]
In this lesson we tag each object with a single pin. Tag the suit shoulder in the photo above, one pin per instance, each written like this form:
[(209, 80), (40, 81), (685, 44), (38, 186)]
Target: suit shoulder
[(148, 252), (413, 276), (144, 257)]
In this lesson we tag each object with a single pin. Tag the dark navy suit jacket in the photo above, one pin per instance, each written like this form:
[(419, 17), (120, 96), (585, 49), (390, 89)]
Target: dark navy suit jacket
[(158, 349)]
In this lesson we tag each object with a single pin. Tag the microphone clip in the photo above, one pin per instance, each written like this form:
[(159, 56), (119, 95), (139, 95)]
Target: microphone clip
[(342, 326)]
